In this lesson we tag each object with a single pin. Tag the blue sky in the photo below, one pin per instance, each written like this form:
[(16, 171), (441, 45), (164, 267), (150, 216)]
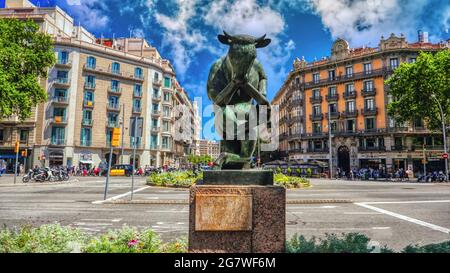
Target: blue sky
[(185, 31)]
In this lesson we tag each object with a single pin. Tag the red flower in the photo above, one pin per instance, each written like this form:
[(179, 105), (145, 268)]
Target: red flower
[(132, 243)]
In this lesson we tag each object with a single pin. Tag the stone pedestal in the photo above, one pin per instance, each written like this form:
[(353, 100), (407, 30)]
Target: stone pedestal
[(237, 218)]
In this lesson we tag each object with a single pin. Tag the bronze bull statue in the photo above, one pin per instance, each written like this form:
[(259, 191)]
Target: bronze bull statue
[(237, 79)]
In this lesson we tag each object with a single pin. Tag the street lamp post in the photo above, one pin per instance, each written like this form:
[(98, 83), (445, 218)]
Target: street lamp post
[(444, 134), (330, 162)]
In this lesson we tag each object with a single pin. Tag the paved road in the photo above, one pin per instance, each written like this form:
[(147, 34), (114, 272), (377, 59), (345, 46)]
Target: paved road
[(393, 214)]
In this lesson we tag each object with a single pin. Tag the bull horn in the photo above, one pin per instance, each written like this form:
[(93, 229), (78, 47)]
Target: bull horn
[(261, 38), (227, 35)]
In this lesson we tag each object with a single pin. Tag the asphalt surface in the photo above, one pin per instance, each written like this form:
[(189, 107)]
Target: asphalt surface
[(390, 213)]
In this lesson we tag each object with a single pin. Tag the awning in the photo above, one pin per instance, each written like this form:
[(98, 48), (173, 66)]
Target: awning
[(86, 162), (8, 156)]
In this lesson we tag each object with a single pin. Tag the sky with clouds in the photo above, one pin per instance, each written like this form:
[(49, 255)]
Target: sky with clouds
[(185, 31)]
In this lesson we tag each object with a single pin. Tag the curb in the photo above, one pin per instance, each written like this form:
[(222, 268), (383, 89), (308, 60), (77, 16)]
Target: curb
[(186, 202)]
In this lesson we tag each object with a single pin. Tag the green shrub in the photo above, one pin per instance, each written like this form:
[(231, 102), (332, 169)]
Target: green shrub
[(290, 181), (174, 179), (44, 239), (309, 172), (432, 248), (348, 243)]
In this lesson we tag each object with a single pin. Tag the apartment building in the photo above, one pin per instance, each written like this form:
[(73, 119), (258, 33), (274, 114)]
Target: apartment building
[(207, 147), (95, 86), (346, 92)]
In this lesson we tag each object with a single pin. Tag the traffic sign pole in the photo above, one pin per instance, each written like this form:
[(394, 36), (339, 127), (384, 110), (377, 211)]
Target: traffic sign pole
[(114, 143), (17, 159)]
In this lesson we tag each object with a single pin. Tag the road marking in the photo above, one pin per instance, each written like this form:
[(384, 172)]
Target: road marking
[(409, 202), (166, 211), (381, 228), (92, 224), (116, 220), (119, 196), (406, 218), (362, 213), (160, 223)]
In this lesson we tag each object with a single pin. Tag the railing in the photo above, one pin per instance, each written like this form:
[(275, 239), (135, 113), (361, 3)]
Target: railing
[(370, 112), (60, 99), (113, 107), (87, 122), (112, 124), (374, 149), (86, 143), (62, 81), (115, 90), (157, 82), (349, 114), (155, 129), (156, 98), (344, 78), (428, 148), (137, 94), (333, 115), (156, 113), (369, 92), (350, 95), (58, 142), (89, 85), (316, 117), (115, 73), (88, 103), (137, 110), (63, 62), (333, 97), (318, 150), (316, 99), (399, 148), (59, 119)]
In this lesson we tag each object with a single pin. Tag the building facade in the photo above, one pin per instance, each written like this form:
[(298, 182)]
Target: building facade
[(207, 147), (346, 92), (95, 86)]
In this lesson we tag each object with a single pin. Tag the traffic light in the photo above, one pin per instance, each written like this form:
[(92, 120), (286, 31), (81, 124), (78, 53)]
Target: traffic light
[(115, 142), (24, 153), (16, 148)]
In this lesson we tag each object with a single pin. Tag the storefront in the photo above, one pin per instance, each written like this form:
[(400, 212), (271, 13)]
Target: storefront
[(376, 164), (9, 157), (432, 165), (56, 158)]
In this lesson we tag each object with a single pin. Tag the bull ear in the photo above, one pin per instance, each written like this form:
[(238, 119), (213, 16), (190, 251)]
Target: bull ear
[(263, 43), (224, 39)]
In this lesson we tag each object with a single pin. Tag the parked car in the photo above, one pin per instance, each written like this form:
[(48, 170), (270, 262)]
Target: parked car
[(121, 170)]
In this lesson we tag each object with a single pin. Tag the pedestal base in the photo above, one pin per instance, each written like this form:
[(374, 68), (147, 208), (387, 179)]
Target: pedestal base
[(237, 219)]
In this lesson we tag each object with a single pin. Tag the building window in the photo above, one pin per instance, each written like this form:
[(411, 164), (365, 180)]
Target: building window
[(113, 120), (138, 90), (138, 73), (91, 62), (136, 105), (60, 114), (334, 126), (350, 106), (113, 102), (63, 57), (316, 110), (87, 117), (350, 125), (90, 81), (349, 71), (333, 108), (88, 97), (316, 77), (394, 63), (2, 135), (115, 85), (156, 77), (349, 89), (155, 92), (370, 104), (115, 68), (23, 136), (367, 68), (58, 136), (166, 96), (370, 124), (62, 76), (332, 91), (155, 123), (155, 107), (316, 93), (165, 143), (166, 111), (412, 60), (86, 135), (167, 82), (154, 142), (165, 126), (317, 128), (60, 95), (368, 86), (331, 75)]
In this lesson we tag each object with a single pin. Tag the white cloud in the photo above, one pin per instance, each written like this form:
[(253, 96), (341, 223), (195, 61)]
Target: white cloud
[(362, 22), (89, 12)]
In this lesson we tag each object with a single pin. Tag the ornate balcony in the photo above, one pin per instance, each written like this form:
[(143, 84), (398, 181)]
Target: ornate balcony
[(370, 112), (115, 107), (333, 98), (115, 90), (368, 92), (315, 100), (350, 95), (316, 117)]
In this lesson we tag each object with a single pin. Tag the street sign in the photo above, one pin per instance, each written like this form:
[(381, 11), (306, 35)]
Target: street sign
[(17, 146), (140, 127), (445, 156), (115, 142)]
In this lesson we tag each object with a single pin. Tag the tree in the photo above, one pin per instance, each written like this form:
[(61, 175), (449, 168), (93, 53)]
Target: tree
[(25, 56), (416, 86)]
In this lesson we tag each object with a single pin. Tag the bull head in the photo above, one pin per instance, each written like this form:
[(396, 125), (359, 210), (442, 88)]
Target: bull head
[(242, 53)]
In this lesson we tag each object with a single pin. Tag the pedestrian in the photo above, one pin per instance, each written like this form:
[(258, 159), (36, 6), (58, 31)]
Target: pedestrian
[(2, 167)]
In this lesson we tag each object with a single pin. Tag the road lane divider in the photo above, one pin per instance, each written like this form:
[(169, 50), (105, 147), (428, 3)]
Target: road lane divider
[(117, 197)]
